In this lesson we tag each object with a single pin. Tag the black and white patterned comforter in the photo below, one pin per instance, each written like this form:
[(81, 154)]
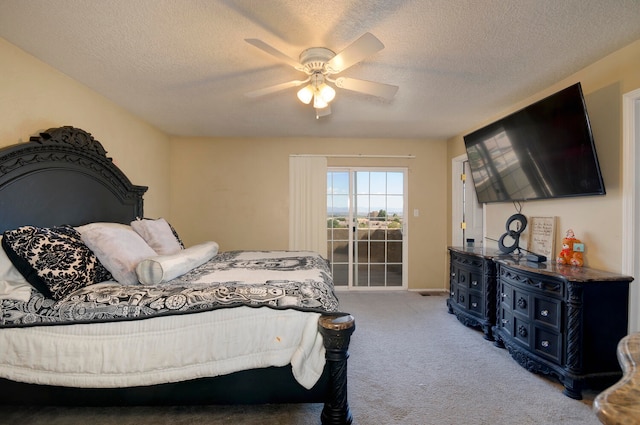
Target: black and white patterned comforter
[(275, 279)]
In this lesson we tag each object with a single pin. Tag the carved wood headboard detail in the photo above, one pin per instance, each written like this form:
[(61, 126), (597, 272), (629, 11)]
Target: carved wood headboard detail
[(63, 176)]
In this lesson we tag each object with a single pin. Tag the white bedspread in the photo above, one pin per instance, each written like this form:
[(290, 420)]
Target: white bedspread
[(164, 349)]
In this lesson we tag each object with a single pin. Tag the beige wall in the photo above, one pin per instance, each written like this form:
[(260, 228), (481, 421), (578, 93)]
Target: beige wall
[(235, 191), (595, 220), (35, 97)]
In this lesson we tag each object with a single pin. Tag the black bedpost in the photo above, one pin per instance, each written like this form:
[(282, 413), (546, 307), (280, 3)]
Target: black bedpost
[(336, 331)]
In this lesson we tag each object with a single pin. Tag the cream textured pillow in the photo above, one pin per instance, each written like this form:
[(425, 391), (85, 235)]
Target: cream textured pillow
[(158, 235), (155, 270), (118, 247)]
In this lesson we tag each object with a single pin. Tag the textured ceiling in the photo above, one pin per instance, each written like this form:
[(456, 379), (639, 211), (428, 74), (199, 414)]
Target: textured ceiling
[(184, 66)]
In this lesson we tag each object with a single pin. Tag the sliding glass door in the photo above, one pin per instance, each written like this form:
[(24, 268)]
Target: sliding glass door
[(366, 227)]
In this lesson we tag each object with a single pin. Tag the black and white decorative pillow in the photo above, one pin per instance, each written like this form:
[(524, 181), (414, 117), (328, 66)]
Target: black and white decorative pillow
[(175, 234), (54, 260), (159, 234)]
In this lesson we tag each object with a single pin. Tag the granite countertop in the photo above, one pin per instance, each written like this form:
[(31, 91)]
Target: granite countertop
[(570, 273), (484, 251), (549, 267), (620, 403)]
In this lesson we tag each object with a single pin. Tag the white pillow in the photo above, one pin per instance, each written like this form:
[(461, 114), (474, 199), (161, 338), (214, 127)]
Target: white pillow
[(158, 235), (118, 247), (152, 271), (12, 284)]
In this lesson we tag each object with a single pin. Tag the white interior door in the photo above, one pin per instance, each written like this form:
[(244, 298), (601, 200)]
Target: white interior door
[(631, 203), (472, 210), (467, 215)]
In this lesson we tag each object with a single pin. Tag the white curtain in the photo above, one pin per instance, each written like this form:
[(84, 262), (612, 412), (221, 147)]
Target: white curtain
[(308, 204)]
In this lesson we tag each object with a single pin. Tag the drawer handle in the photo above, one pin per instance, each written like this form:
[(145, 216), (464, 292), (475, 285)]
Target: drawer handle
[(505, 321), (544, 313), (474, 305), (474, 283), (545, 344), (522, 303), (522, 331), (503, 295)]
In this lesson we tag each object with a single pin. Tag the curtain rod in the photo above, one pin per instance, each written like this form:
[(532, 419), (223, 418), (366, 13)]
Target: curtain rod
[(356, 156)]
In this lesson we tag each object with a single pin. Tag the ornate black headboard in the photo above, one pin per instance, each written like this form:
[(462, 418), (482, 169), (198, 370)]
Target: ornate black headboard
[(63, 176)]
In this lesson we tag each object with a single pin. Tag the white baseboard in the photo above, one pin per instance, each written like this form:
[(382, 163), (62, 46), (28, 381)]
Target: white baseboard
[(431, 291)]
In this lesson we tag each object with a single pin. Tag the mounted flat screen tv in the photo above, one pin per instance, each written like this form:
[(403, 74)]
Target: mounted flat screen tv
[(543, 151)]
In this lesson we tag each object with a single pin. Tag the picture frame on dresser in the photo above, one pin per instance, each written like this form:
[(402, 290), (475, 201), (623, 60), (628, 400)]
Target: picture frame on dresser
[(542, 236)]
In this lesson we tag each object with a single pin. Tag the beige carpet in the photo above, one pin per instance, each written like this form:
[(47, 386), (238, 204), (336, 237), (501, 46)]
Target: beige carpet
[(411, 363)]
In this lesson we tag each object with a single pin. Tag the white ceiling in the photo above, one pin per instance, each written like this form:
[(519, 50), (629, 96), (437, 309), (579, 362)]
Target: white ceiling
[(183, 65)]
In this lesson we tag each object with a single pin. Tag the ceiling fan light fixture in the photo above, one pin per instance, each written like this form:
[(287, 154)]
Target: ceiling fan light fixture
[(318, 91), (305, 94), (320, 64), (319, 102), (326, 92)]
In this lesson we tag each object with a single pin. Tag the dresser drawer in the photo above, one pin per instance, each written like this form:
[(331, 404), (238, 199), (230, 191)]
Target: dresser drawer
[(540, 284), (468, 300), (548, 311), (548, 344), (522, 330), (505, 322), (536, 307), (467, 271), (515, 299), (467, 278), (505, 296), (515, 327), (460, 296), (522, 301), (544, 342), (534, 321), (475, 281), (463, 260), (476, 303)]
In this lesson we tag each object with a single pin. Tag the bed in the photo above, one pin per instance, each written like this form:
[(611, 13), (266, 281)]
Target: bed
[(87, 319)]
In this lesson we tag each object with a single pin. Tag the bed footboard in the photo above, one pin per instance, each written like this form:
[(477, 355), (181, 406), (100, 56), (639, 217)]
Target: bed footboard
[(336, 330)]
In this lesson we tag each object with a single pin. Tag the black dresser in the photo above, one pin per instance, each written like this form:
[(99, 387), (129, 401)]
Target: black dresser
[(562, 321), (472, 287), (556, 320)]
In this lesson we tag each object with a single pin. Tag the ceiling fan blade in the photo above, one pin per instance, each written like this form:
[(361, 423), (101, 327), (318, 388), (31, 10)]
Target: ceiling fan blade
[(323, 112), (365, 46), (386, 91), (273, 52), (276, 88)]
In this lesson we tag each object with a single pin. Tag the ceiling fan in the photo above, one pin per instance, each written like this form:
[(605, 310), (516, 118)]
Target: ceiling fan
[(320, 65)]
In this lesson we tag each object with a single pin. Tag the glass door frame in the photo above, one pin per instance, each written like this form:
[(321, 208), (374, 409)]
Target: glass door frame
[(352, 220)]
